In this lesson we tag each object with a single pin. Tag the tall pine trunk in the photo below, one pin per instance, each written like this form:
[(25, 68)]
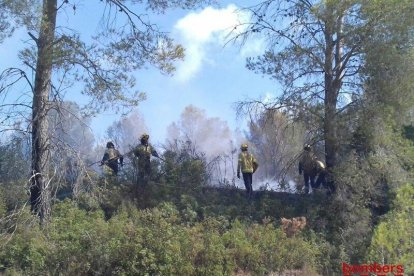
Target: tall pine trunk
[(334, 71), (40, 185)]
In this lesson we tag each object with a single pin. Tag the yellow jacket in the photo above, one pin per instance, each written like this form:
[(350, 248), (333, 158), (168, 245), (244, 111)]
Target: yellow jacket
[(247, 163), (145, 151), (307, 162)]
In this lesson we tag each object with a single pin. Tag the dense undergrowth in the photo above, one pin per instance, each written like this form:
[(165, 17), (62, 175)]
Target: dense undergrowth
[(156, 241), (177, 225)]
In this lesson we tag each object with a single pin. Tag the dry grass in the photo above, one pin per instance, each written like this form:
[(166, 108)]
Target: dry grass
[(293, 226)]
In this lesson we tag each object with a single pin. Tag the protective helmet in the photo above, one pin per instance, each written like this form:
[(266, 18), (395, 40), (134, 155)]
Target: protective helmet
[(110, 145), (244, 147), (144, 136), (307, 147)]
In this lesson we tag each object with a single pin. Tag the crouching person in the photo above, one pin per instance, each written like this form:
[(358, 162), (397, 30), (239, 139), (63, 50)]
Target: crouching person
[(320, 174)]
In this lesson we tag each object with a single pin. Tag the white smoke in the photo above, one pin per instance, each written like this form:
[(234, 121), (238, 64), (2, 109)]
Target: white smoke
[(209, 135)]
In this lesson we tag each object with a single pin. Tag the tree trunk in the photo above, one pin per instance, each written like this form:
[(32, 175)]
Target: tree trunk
[(330, 125), (40, 186), (330, 102), (333, 82)]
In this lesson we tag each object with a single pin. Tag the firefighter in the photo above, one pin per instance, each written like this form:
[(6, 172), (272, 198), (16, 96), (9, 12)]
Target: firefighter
[(111, 158), (306, 166), (143, 153), (320, 173), (248, 165)]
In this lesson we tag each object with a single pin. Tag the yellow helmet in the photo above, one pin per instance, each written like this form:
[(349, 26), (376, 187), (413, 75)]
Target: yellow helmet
[(244, 146), (320, 164), (144, 136)]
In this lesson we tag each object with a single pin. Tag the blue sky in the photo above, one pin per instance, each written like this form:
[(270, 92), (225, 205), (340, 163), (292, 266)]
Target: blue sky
[(212, 76)]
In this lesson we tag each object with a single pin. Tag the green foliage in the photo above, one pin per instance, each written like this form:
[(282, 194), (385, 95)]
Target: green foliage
[(393, 240), (26, 251), (269, 245), (207, 231), (363, 189), (184, 167), (2, 204), (149, 242), (13, 159), (15, 12)]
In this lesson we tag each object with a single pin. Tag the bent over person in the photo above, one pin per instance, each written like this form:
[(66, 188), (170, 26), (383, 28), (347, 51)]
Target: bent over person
[(320, 172), (143, 153), (111, 157), (248, 165)]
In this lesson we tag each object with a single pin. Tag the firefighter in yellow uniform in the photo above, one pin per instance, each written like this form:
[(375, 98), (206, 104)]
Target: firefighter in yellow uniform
[(143, 153), (306, 166), (110, 160), (320, 172), (248, 165)]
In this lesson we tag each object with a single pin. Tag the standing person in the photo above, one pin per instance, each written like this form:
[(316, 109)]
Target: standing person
[(143, 152), (111, 158), (248, 165), (306, 166)]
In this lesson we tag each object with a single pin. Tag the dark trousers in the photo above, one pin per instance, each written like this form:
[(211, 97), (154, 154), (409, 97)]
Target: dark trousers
[(325, 184), (308, 178), (321, 180), (34, 198), (248, 180), (144, 172), (114, 166)]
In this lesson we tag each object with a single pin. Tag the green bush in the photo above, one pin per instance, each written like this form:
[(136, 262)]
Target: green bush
[(156, 241), (393, 239), (23, 245), (3, 207), (263, 248)]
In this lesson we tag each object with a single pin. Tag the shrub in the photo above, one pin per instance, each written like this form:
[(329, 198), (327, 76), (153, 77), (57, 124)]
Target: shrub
[(157, 241), (392, 242)]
